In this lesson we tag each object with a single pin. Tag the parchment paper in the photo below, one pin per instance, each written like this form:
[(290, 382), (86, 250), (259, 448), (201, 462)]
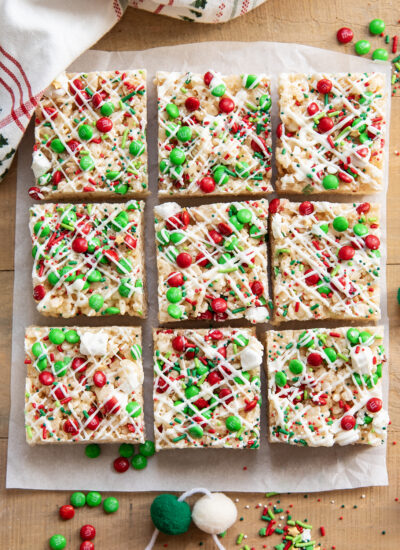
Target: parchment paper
[(277, 467)]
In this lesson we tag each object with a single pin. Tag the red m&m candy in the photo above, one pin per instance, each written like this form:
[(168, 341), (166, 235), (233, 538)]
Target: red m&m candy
[(104, 124), (207, 78), (348, 422), (324, 86), (226, 105), (219, 305), (325, 124), (374, 404), (39, 292), (121, 464), (86, 545), (314, 359), (372, 242), (66, 512), (175, 279), (274, 206), (306, 208), (99, 379), (192, 103), (346, 253), (207, 184), (87, 532), (312, 109), (184, 260), (311, 277), (46, 378), (344, 35), (80, 244)]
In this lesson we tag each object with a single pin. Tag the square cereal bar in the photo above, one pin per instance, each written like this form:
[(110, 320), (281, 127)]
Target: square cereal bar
[(83, 384), (212, 261), (324, 386), (332, 133), (207, 388), (326, 260), (90, 137), (214, 134), (88, 259)]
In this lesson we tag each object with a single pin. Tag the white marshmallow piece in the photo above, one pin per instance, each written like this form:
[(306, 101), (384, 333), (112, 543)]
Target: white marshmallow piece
[(94, 343), (214, 513), (167, 209), (361, 359), (347, 437), (257, 314), (251, 356), (380, 421), (40, 164)]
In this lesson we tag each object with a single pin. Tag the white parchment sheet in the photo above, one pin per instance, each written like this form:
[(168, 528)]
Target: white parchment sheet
[(275, 467)]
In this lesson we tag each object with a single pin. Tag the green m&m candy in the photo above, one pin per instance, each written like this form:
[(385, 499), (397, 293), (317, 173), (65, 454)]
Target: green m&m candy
[(124, 266), (244, 215), (93, 499), (42, 364), (57, 145), (110, 505), (171, 129), (296, 366), (365, 336), (43, 231), (133, 409), (330, 354), (124, 289), (330, 182), (112, 311), (56, 336), (242, 169), (96, 302), (92, 450), (107, 109), (139, 462), (147, 448), (72, 337), (353, 335), (196, 431), (340, 223), (360, 229), (174, 311), (136, 351), (280, 378), (218, 90), (191, 391), (60, 367), (136, 147), (184, 133), (78, 499), (86, 163), (172, 110), (177, 237), (250, 80), (362, 47), (121, 188), (120, 221), (39, 349), (236, 223), (176, 171), (220, 176), (381, 54), (265, 102), (177, 156), (174, 295), (126, 450), (85, 132), (57, 542), (376, 26), (94, 276), (233, 423)]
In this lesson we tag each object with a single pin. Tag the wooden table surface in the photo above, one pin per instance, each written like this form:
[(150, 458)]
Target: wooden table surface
[(27, 518)]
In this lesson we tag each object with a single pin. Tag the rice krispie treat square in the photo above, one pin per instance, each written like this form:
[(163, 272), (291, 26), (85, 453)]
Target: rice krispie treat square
[(83, 384), (90, 137), (207, 388), (326, 260), (212, 261), (88, 259), (324, 386), (214, 134), (332, 133)]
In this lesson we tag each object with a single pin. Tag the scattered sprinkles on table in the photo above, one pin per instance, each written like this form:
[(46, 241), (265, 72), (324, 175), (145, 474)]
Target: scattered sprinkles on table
[(214, 134), (88, 259), (207, 388), (90, 136), (324, 386), (83, 384), (326, 260), (332, 133), (212, 261)]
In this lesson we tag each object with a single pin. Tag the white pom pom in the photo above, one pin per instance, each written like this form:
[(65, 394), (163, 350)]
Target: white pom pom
[(214, 513)]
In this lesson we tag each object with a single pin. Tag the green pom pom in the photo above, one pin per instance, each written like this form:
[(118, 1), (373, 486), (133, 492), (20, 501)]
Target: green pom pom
[(170, 516)]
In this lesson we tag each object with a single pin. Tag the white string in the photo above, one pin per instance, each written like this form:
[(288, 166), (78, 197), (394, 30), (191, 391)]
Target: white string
[(183, 497)]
